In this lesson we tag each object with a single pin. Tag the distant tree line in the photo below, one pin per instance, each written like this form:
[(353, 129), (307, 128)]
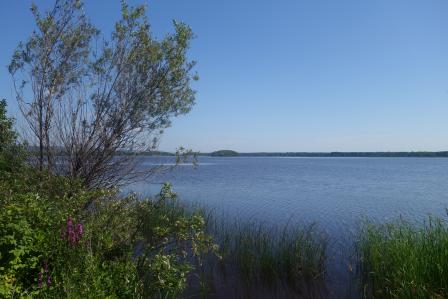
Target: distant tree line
[(347, 154), (230, 153)]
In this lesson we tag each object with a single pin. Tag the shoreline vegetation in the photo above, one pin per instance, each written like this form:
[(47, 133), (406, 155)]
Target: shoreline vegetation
[(230, 153), (403, 260), (263, 261)]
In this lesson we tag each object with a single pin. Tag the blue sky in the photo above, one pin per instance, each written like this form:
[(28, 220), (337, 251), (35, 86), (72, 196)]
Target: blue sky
[(290, 75)]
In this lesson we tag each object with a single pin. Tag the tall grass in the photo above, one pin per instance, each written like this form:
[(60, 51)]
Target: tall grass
[(255, 256), (264, 254), (401, 260)]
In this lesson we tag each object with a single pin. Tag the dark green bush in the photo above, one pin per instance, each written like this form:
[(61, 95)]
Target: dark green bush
[(127, 248)]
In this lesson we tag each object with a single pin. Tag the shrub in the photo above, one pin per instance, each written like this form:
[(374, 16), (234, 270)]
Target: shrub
[(53, 245)]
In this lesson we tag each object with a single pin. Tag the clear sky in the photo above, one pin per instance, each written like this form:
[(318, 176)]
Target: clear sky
[(291, 75)]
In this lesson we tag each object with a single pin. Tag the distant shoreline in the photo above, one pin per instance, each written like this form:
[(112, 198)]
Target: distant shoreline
[(230, 153), (441, 154)]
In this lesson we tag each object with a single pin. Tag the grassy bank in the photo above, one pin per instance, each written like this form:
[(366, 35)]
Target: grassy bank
[(401, 260)]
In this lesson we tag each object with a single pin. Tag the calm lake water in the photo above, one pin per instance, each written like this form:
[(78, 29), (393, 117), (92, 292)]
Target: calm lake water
[(336, 193)]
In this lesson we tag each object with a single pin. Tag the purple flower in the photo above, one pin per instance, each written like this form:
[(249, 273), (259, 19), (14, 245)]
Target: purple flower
[(39, 280), (48, 280), (79, 230), (72, 233), (69, 225), (72, 238)]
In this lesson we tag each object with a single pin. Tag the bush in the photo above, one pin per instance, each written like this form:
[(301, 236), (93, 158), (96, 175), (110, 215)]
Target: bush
[(29, 220), (54, 245)]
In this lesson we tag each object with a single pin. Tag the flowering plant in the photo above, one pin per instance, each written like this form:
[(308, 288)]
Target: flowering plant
[(72, 233)]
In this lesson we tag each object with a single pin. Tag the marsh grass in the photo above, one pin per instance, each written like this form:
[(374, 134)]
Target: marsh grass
[(402, 260), (256, 257)]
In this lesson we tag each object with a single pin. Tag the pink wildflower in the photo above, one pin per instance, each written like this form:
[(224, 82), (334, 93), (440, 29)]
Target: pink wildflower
[(79, 230)]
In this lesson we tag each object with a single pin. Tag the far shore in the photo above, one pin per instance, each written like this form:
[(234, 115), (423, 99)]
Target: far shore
[(230, 153), (440, 154)]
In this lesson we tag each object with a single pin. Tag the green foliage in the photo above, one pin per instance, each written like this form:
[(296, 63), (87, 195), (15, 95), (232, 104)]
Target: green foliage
[(224, 153), (401, 260), (32, 208), (63, 236), (19, 248), (7, 134), (171, 236), (91, 98), (158, 71), (128, 247), (11, 153), (55, 54)]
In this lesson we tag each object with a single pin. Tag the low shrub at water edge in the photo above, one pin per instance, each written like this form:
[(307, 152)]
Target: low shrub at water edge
[(53, 246), (402, 260)]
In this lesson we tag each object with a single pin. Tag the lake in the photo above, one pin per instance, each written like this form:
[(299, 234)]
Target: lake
[(336, 193)]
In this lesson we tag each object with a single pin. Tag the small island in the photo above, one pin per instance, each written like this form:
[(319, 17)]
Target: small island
[(224, 153)]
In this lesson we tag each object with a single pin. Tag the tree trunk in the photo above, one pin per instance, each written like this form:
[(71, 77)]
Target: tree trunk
[(41, 144)]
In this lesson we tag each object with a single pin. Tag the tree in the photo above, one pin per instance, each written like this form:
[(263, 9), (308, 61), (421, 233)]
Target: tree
[(7, 135), (48, 65), (10, 150), (86, 100)]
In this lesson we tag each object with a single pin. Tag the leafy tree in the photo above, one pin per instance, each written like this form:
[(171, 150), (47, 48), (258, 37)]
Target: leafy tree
[(10, 151), (90, 100), (7, 135), (48, 65)]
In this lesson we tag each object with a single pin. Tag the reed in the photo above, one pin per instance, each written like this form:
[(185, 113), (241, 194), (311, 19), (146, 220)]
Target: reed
[(402, 260), (258, 256)]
